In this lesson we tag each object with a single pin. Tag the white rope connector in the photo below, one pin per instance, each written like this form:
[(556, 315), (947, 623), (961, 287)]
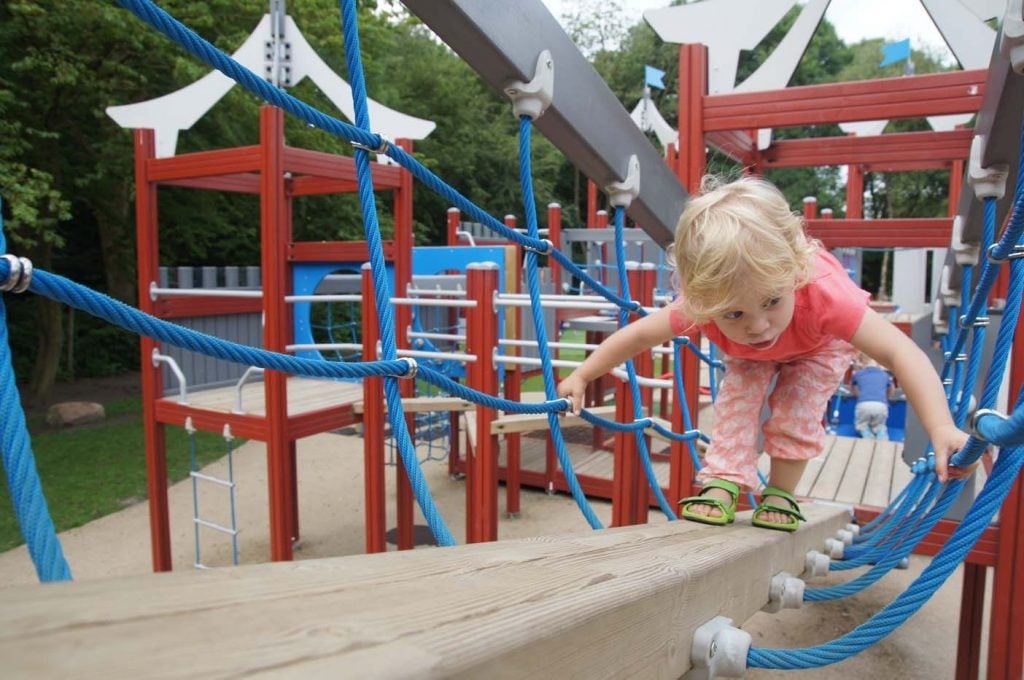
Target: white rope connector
[(904, 563), (785, 592), (853, 529), (1011, 40), (226, 433), (621, 194), (949, 296), (189, 427), (533, 98), (845, 536), (966, 253), (987, 182), (719, 650), (816, 564), (20, 276), (834, 548)]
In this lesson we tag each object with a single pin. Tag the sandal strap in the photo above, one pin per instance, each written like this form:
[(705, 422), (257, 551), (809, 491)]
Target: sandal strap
[(705, 500), (792, 511), (770, 507), (732, 488)]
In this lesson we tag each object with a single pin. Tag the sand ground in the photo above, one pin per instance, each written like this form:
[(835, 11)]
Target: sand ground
[(331, 516)]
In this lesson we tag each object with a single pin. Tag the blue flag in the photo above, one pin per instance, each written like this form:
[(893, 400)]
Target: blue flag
[(895, 52), (653, 76)]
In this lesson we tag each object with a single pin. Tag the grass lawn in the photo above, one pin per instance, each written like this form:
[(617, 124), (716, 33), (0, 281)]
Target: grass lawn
[(91, 471)]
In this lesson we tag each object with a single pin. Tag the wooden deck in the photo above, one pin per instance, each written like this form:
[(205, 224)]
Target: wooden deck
[(849, 470), (304, 395)]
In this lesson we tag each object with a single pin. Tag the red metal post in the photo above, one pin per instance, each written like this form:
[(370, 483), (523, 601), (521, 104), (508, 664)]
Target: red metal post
[(373, 428), (591, 204), (1006, 620), (148, 258), (481, 340), (403, 320), (628, 490), (810, 207), (276, 327), (693, 86), (513, 444), (454, 220)]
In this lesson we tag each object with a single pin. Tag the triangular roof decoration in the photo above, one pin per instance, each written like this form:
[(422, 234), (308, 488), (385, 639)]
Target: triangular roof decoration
[(179, 110)]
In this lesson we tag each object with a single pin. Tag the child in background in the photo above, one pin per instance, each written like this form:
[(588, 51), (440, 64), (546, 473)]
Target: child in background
[(776, 304), (873, 387)]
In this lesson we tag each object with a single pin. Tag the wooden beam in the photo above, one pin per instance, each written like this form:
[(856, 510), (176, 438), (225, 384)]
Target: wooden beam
[(905, 147), (222, 162), (927, 95), (612, 603)]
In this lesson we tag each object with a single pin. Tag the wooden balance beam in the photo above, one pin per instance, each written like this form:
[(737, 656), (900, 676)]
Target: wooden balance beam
[(612, 603)]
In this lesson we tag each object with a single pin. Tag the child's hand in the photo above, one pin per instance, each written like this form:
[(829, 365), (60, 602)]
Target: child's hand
[(574, 388), (947, 440)]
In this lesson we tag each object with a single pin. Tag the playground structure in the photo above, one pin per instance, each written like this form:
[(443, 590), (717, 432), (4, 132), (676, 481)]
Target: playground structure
[(706, 118)]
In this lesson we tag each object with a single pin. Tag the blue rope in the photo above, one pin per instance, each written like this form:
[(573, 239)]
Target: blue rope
[(381, 286), (30, 507), (902, 543), (1004, 475), (638, 411), (533, 283), (116, 312)]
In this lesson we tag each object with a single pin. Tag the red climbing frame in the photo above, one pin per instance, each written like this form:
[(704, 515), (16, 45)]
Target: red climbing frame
[(277, 173), (729, 122)]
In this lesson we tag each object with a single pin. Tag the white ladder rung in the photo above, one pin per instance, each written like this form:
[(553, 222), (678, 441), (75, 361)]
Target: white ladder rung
[(214, 526), (215, 480)]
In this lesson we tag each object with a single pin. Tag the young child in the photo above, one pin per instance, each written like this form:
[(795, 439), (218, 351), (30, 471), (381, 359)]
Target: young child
[(776, 304), (873, 387)]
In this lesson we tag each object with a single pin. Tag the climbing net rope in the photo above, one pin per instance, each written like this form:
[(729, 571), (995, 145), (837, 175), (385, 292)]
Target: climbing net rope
[(884, 543)]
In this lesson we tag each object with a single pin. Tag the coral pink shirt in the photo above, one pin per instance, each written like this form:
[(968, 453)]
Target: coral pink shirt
[(830, 306)]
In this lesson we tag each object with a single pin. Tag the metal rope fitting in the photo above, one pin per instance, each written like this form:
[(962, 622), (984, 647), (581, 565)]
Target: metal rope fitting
[(381, 148), (647, 422), (978, 415), (568, 405), (20, 276), (979, 322), (548, 247), (412, 370), (1015, 254)]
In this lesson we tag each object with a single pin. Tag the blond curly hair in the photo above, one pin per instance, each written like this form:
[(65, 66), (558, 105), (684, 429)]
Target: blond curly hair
[(734, 237)]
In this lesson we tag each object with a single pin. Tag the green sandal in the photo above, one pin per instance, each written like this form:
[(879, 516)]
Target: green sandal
[(728, 511), (792, 512)]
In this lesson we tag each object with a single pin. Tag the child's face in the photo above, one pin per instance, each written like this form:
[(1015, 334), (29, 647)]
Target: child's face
[(755, 320)]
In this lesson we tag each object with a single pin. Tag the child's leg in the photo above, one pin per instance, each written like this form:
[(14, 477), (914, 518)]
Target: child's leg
[(733, 452), (793, 432)]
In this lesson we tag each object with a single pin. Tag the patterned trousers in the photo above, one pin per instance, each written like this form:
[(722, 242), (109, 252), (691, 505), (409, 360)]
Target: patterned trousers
[(793, 430)]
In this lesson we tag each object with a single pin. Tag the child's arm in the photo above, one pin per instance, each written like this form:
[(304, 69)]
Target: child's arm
[(625, 343), (890, 347)]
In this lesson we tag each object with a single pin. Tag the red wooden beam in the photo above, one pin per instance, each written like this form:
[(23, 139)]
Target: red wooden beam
[(242, 425), (242, 183), (177, 308), (736, 144), (918, 232), (332, 166), (335, 251), (307, 185), (205, 164), (924, 147), (906, 97)]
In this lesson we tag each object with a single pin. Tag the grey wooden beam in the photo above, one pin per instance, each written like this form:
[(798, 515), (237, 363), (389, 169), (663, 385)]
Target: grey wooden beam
[(502, 40), (1000, 120)]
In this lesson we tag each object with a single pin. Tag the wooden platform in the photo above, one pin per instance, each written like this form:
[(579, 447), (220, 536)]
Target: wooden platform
[(849, 470), (304, 395)]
